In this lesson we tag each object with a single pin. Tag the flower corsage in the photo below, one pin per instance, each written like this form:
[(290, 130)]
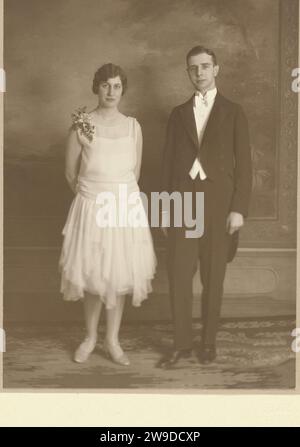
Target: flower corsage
[(82, 121)]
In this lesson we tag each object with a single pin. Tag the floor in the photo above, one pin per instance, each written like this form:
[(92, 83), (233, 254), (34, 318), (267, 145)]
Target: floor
[(252, 354)]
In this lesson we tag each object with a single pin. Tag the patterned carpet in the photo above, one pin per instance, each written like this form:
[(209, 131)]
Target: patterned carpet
[(252, 354)]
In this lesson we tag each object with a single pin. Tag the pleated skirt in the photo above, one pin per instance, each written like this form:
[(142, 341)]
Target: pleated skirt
[(107, 261)]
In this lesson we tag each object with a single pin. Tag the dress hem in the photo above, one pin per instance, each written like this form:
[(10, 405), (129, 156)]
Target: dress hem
[(104, 301)]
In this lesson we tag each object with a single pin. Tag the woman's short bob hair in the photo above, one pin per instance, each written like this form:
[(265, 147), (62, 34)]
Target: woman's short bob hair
[(106, 72)]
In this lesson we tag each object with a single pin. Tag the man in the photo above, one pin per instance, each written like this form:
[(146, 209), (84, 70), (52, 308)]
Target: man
[(207, 150)]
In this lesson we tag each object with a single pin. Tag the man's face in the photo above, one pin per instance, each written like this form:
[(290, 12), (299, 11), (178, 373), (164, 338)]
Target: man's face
[(202, 71)]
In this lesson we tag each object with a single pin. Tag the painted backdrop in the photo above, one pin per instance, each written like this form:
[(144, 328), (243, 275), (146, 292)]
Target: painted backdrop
[(52, 50)]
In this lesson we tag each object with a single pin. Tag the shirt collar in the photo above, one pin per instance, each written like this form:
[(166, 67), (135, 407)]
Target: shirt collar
[(209, 96)]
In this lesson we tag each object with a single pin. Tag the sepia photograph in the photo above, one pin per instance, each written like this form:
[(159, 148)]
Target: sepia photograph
[(150, 195)]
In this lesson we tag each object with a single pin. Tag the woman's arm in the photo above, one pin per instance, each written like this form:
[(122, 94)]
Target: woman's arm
[(139, 151), (72, 159)]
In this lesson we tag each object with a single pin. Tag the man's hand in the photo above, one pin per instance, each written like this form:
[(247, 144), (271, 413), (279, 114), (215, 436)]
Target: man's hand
[(234, 222)]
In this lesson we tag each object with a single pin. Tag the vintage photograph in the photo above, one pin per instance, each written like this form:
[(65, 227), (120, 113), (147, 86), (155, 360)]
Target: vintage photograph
[(150, 194)]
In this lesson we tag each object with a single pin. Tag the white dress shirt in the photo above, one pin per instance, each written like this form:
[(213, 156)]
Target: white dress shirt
[(202, 108)]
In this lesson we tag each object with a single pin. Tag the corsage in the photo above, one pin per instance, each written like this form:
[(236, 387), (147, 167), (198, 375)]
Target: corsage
[(82, 121)]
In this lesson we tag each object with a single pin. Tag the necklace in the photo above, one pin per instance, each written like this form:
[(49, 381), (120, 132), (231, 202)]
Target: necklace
[(110, 118), (113, 121)]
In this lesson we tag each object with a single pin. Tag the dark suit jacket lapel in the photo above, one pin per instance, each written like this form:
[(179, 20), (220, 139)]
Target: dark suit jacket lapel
[(187, 114), (216, 117), (213, 126)]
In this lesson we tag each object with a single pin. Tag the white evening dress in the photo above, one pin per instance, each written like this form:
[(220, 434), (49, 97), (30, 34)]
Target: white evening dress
[(107, 261)]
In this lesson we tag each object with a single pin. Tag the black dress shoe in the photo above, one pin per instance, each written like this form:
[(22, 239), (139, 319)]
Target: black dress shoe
[(172, 358), (207, 354)]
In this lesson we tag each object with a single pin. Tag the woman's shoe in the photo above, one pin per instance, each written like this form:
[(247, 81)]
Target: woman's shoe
[(113, 352), (84, 350)]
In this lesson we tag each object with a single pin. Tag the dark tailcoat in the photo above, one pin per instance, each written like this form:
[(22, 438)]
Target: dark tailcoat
[(226, 159)]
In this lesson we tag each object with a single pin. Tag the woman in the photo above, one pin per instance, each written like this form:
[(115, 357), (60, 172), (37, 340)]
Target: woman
[(99, 263)]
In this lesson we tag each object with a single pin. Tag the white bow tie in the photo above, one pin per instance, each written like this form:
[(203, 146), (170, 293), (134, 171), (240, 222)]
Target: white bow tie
[(200, 101)]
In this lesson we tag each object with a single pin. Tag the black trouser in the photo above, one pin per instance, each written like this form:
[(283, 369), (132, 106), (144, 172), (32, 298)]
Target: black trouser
[(212, 250)]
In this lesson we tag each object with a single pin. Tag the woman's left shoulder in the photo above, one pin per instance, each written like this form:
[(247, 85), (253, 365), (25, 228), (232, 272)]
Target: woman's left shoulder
[(134, 121)]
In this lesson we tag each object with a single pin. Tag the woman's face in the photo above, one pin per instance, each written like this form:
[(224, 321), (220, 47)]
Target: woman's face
[(110, 92)]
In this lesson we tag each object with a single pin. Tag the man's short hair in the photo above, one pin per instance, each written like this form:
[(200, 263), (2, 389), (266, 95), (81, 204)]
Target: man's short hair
[(199, 49)]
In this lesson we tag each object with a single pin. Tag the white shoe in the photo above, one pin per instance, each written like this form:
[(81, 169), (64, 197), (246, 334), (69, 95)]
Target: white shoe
[(116, 354), (84, 350)]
